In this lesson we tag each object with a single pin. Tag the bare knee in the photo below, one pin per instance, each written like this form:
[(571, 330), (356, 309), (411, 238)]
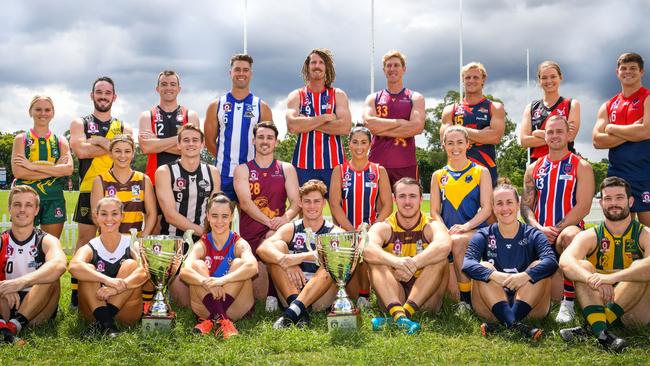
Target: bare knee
[(459, 244), (200, 267)]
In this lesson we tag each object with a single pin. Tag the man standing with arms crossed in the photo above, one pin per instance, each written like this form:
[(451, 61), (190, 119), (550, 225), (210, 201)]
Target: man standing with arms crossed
[(229, 123), (319, 114), (623, 127), (395, 115), (90, 137)]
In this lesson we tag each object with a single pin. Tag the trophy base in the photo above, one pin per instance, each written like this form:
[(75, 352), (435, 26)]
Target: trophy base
[(345, 322), (152, 323)]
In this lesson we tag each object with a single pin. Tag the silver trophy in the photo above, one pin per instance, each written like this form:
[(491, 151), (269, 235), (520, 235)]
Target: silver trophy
[(339, 254), (161, 256)]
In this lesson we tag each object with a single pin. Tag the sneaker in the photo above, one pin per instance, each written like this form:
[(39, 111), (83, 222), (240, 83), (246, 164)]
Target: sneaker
[(527, 331), (575, 333), (146, 305), (379, 322), (363, 302), (8, 332), (612, 342), (111, 331), (203, 327), (283, 322), (489, 328), (462, 308), (271, 304), (304, 320), (408, 325), (226, 328), (566, 313)]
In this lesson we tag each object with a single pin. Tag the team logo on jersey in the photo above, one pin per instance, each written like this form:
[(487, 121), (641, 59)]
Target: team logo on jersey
[(58, 212), (179, 117), (227, 107), (135, 192), (299, 243), (537, 114), (492, 242), (84, 211), (568, 167), (444, 179), (249, 111), (371, 175), (630, 245), (468, 178), (253, 176), (93, 127), (204, 184), (33, 250), (645, 197), (101, 266), (156, 247), (306, 101), (347, 176), (604, 245), (10, 250), (397, 247), (208, 261), (158, 117), (55, 150), (561, 112), (180, 184), (111, 191), (383, 100)]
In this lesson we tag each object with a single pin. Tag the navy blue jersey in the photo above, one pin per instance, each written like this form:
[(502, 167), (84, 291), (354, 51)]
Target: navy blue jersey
[(509, 255), (298, 244)]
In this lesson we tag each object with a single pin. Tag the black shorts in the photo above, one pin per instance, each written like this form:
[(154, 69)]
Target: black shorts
[(83, 213)]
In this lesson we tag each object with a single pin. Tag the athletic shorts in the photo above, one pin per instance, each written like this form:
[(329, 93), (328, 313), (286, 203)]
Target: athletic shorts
[(51, 212), (641, 194), (395, 174), (228, 188), (254, 240), (324, 175), (83, 213)]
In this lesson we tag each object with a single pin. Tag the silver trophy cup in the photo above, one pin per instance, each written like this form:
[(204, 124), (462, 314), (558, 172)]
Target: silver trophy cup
[(339, 254)]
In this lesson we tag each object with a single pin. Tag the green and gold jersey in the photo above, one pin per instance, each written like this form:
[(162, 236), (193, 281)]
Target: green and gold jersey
[(43, 150), (614, 253)]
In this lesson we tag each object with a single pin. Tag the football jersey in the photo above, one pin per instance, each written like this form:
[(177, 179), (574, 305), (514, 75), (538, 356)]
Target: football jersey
[(236, 119), (540, 113), (393, 152), (43, 150), (406, 242), (359, 193), (109, 263), (92, 167), (298, 244), (316, 149), (219, 260), (131, 194), (614, 253), (630, 160), (18, 258), (164, 125), (556, 183), (460, 193)]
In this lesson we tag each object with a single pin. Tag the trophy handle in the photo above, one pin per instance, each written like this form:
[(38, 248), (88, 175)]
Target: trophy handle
[(364, 239), (309, 233), (135, 246), (187, 237)]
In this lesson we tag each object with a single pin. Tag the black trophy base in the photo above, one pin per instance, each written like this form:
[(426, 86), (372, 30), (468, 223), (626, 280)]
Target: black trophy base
[(346, 322)]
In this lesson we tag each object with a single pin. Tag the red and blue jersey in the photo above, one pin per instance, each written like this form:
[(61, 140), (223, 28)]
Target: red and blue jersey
[(540, 113), (478, 116), (219, 261), (316, 149), (359, 193), (629, 160), (556, 183), (393, 152)]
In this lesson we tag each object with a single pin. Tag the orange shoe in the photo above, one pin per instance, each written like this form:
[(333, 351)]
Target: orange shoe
[(204, 326), (226, 328)]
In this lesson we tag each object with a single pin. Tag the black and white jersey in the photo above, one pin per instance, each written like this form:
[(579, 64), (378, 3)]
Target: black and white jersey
[(106, 262), (18, 258)]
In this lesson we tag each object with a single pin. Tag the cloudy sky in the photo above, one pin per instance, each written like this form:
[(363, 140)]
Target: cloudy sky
[(59, 48)]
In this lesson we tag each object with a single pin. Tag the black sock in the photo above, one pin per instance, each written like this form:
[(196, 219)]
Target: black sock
[(74, 298), (104, 317), (291, 298), (503, 312), (21, 319), (112, 310)]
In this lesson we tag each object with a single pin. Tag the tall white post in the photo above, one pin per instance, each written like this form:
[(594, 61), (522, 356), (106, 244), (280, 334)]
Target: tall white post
[(245, 27), (460, 48), (372, 46)]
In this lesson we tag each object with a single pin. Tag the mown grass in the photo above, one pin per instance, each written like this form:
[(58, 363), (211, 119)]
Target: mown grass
[(446, 339)]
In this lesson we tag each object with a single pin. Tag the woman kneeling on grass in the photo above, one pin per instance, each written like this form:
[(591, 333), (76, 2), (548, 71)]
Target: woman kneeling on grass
[(511, 264), (110, 278), (219, 271)]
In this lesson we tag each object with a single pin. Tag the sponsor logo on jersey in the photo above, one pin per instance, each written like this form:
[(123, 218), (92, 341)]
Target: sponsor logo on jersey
[(58, 212), (93, 127), (492, 242), (249, 111), (135, 192), (208, 261), (371, 175), (180, 184), (645, 197), (397, 247), (179, 117), (101, 266), (523, 242), (111, 191), (443, 180), (33, 250), (483, 110), (10, 250), (299, 243), (253, 176), (604, 245), (204, 184), (227, 107)]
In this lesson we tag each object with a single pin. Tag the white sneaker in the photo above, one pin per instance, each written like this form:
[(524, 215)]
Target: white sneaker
[(363, 303), (566, 313), (462, 308), (271, 304)]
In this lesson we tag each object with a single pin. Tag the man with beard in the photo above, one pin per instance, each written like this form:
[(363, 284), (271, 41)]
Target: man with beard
[(319, 114), (558, 189), (611, 270), (90, 137), (229, 122)]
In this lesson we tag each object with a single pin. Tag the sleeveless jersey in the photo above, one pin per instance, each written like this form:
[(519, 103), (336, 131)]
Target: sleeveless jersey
[(478, 116), (131, 194), (164, 125), (236, 119), (359, 193), (92, 167), (460, 193), (556, 183), (630, 160), (392, 152), (45, 150), (614, 253), (540, 113), (406, 242), (316, 149), (18, 258), (298, 244), (219, 261), (109, 263), (269, 195), (191, 192)]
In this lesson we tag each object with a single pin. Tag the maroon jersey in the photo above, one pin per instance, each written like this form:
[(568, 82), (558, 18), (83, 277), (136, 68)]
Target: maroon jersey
[(267, 191), (539, 114), (391, 152)]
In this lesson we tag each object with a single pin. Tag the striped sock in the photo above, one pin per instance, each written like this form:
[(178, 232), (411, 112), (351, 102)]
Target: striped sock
[(595, 316), (147, 295), (569, 291), (364, 293), (410, 308), (613, 313), (74, 286), (396, 311), (465, 289)]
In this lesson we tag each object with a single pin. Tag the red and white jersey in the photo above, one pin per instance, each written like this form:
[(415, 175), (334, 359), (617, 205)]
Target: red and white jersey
[(359, 193), (18, 258), (556, 183)]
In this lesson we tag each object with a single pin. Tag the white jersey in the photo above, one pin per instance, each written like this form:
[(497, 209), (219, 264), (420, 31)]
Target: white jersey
[(236, 119), (22, 257)]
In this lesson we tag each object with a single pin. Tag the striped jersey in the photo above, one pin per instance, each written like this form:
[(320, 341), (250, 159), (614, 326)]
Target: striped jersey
[(92, 167), (109, 263), (629, 160), (614, 253), (43, 150), (540, 113), (460, 193), (406, 242), (164, 125), (478, 116), (316, 149), (556, 183), (298, 244), (236, 119), (191, 193), (131, 194), (18, 258), (393, 152), (219, 260), (359, 193)]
